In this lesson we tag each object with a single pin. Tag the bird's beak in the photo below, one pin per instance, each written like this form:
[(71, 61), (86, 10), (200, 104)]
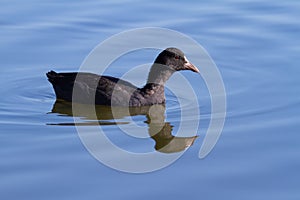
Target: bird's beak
[(189, 66)]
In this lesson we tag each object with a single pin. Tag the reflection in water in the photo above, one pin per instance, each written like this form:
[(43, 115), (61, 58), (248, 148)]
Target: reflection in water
[(98, 115)]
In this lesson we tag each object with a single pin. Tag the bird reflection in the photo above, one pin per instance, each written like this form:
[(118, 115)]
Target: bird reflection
[(95, 115)]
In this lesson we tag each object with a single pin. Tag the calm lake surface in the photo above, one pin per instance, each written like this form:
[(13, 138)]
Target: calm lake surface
[(255, 45)]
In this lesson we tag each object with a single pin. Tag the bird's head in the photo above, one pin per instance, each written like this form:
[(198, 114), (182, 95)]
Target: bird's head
[(175, 59)]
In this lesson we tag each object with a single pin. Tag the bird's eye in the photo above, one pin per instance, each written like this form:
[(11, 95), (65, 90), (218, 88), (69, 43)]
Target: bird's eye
[(176, 57)]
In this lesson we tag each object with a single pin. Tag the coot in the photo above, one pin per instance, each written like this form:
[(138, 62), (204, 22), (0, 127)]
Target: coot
[(107, 90)]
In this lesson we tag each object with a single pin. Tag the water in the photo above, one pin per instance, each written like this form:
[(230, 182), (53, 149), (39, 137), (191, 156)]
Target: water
[(255, 45)]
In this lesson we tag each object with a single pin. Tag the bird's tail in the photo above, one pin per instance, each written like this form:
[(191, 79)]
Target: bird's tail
[(52, 76)]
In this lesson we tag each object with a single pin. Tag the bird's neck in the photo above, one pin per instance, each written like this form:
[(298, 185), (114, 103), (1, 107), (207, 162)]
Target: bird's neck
[(159, 74), (157, 78), (153, 89)]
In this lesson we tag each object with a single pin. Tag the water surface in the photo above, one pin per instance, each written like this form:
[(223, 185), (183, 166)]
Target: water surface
[(255, 45)]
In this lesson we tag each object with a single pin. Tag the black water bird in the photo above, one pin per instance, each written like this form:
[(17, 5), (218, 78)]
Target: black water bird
[(107, 90)]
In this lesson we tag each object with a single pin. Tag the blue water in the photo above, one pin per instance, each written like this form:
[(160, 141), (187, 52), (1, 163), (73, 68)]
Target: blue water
[(255, 45)]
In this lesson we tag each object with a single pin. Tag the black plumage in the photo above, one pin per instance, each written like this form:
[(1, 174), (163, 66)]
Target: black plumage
[(107, 90)]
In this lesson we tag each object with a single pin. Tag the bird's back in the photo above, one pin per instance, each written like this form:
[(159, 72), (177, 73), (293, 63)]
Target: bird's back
[(90, 88)]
